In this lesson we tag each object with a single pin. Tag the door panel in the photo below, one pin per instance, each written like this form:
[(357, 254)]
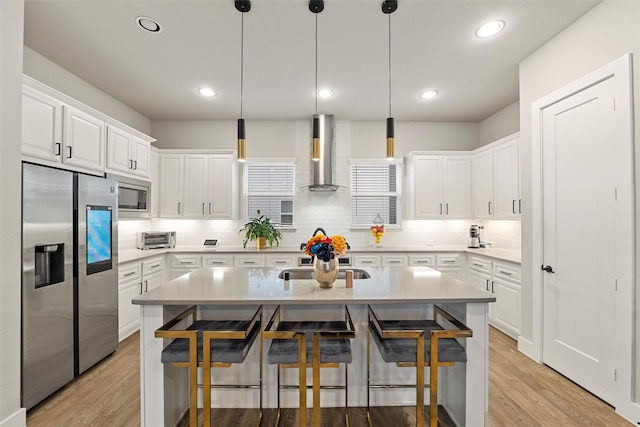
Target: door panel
[(578, 226)]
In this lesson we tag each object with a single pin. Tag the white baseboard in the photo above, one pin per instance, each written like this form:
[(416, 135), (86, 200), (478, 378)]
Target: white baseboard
[(17, 419), (128, 331), (529, 349)]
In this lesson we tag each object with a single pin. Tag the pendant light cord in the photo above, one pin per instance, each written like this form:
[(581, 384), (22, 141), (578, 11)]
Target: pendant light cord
[(316, 93), (241, 61), (389, 65)]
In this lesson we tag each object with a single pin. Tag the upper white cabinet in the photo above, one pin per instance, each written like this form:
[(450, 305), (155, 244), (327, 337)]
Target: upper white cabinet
[(41, 125), (62, 132), (127, 154), (197, 185), (439, 186), (154, 178), (496, 180)]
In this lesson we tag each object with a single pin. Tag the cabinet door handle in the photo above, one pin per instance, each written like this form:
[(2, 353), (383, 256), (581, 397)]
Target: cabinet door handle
[(447, 208), (493, 291), (423, 261), (280, 262), (440, 208), (202, 208), (513, 206), (69, 155), (129, 274), (146, 286), (478, 265), (489, 208), (448, 261), (135, 165), (130, 164), (394, 261), (506, 273), (140, 292), (487, 285), (214, 262), (249, 262), (519, 205), (58, 149), (178, 208), (209, 208), (186, 262)]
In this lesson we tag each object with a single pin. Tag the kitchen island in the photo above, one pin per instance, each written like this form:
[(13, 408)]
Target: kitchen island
[(399, 292)]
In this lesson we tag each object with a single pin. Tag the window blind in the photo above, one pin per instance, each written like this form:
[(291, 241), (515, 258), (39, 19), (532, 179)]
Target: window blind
[(375, 190), (269, 188)]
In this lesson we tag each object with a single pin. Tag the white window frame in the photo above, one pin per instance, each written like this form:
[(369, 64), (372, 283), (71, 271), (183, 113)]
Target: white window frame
[(398, 193), (285, 194)]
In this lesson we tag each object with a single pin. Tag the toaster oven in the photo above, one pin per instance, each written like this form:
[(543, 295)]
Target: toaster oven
[(156, 239)]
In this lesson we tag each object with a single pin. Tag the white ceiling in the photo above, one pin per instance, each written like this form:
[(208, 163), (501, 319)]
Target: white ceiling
[(433, 46)]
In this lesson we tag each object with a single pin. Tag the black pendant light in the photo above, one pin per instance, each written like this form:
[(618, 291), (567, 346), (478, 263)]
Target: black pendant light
[(388, 7), (242, 6), (316, 6)]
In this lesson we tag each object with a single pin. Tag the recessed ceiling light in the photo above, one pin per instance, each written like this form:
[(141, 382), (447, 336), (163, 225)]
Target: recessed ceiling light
[(428, 94), (149, 24), (205, 91), (325, 93), (490, 29)]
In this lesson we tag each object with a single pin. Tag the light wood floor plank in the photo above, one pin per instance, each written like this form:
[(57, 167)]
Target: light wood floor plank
[(521, 393)]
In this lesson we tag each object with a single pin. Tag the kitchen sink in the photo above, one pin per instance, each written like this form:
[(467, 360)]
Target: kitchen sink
[(307, 273)]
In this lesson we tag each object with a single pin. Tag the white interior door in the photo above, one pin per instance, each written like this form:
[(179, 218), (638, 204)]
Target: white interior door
[(579, 228)]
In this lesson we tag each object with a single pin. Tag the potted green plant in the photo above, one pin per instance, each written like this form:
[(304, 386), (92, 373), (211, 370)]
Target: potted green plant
[(262, 230)]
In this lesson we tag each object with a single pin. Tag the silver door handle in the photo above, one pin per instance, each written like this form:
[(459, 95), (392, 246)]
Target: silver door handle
[(280, 262), (448, 261), (146, 286), (513, 206), (58, 148), (447, 208), (440, 208), (140, 292), (130, 274), (130, 164), (487, 285), (422, 261), (492, 289), (505, 273), (249, 262), (394, 261), (202, 208), (69, 156), (135, 165), (519, 205), (209, 208), (186, 262), (155, 266), (178, 208), (489, 208)]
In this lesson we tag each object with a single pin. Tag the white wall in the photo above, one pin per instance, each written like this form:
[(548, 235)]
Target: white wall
[(11, 30), (500, 124), (51, 74), (607, 32)]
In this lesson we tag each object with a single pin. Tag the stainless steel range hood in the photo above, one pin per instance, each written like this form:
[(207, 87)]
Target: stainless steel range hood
[(322, 170)]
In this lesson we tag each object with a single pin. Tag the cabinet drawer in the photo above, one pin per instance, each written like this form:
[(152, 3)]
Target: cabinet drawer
[(129, 273), (281, 261), (480, 264), (394, 260), (426, 260), (152, 265), (218, 261), (448, 260), (369, 261), (506, 271), (186, 261), (249, 261)]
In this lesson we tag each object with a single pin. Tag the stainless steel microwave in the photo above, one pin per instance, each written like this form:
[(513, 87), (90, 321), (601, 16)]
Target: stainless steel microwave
[(134, 197)]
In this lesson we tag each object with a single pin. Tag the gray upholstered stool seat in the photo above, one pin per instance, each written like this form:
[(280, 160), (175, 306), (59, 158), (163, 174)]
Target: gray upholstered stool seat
[(285, 351), (222, 350), (398, 350)]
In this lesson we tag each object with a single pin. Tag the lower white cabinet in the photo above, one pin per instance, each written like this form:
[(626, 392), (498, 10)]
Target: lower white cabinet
[(281, 260), (221, 260), (182, 264), (250, 261), (451, 264), (366, 261), (135, 278), (502, 279)]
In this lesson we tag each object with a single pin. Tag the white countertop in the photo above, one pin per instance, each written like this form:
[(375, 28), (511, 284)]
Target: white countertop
[(387, 285), (137, 254)]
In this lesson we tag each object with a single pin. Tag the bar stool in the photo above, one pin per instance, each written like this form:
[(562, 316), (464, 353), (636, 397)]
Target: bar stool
[(417, 343), (228, 341), (326, 345)]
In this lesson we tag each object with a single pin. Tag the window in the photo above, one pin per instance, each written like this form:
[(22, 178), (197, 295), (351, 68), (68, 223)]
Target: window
[(375, 189), (269, 187)]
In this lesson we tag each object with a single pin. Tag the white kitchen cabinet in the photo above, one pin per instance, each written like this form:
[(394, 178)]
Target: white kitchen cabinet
[(202, 185), (427, 260), (129, 287), (153, 273), (366, 260), (281, 261), (506, 180), (41, 125), (250, 261), (171, 177), (483, 202), (127, 154), (439, 186), (83, 137), (182, 263), (393, 260), (502, 279), (154, 175), (451, 264)]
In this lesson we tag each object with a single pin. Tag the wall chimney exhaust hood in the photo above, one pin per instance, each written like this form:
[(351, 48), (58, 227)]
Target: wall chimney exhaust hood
[(322, 170)]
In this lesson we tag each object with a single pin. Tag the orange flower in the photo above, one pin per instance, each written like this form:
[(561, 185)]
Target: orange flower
[(318, 238), (338, 242), (339, 245)]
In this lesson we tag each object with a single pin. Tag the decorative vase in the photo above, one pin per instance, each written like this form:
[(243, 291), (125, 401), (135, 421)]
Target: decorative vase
[(325, 272), (261, 243)]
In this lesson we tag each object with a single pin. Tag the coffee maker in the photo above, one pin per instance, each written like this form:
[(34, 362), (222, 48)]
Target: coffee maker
[(475, 239)]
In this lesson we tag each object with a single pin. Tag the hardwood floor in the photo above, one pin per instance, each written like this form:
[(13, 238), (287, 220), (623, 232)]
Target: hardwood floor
[(521, 393)]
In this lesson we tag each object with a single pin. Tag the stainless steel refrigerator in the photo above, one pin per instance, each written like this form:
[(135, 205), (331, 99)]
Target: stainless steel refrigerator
[(69, 278)]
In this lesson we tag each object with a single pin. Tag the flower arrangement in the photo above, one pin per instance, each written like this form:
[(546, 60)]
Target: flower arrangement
[(326, 248)]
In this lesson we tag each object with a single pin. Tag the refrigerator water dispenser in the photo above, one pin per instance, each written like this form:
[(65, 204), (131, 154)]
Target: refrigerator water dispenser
[(49, 264)]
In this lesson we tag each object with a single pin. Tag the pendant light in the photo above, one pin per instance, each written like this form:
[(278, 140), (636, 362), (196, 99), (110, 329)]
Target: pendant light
[(316, 6), (242, 6), (388, 7)]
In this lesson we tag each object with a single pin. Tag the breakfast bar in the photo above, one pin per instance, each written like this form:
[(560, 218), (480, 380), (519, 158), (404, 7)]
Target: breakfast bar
[(394, 292)]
